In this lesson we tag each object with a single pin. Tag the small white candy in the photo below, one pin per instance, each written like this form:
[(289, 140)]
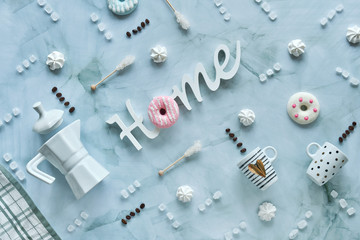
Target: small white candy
[(55, 16), (334, 194), (308, 214), (258, 1), (137, 183), (13, 165), (108, 36), (208, 202), (201, 207), (236, 231), (266, 7), (101, 27), (354, 82), (19, 69), (227, 16), (124, 193), (302, 224), (170, 216), (176, 225), (94, 18), (16, 111), (217, 195), (273, 16), (351, 211), (218, 3), (339, 8), (331, 14), (131, 188), (228, 236), (243, 225), (26, 63), (41, 2), (7, 157), (343, 203), (345, 74), (7, 117), (77, 222), (277, 67), (21, 175), (162, 207), (70, 228), (262, 77), (222, 10), (293, 234), (32, 58), (48, 9), (270, 72), (1, 123), (338, 70), (323, 22), (84, 215)]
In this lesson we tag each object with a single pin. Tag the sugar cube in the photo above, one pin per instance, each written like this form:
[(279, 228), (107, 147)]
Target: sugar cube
[(21, 175), (108, 35), (124, 193), (70, 228), (201, 207), (32, 58), (162, 207), (19, 69), (217, 195), (137, 183), (7, 117), (1, 123), (262, 77), (48, 9), (343, 203), (323, 22), (170, 216), (222, 10), (13, 165), (101, 27), (331, 14), (266, 7), (77, 222), (273, 16), (243, 225), (293, 234), (339, 8), (277, 67), (227, 16), (94, 18), (351, 211), (176, 224), (16, 111), (84, 215), (131, 188), (7, 157), (258, 1), (208, 202), (218, 3), (302, 224), (270, 72), (345, 74), (334, 194), (338, 70), (308, 214), (354, 82), (236, 231), (55, 16), (228, 236), (26, 63), (41, 2)]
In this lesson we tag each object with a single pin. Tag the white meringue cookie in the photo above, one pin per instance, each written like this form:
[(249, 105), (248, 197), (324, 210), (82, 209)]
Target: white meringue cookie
[(247, 117), (266, 211), (353, 34), (184, 193), (55, 60), (296, 47), (159, 54)]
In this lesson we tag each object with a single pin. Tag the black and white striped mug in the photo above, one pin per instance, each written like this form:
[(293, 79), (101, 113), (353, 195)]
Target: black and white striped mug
[(259, 154)]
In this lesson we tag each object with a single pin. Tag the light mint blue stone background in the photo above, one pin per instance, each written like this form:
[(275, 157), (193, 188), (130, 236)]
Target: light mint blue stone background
[(26, 29)]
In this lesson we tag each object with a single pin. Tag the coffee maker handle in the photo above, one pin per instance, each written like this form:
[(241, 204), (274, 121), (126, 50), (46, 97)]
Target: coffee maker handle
[(308, 149), (31, 167)]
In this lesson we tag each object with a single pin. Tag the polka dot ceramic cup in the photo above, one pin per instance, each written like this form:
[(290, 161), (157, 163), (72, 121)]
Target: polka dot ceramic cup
[(326, 162)]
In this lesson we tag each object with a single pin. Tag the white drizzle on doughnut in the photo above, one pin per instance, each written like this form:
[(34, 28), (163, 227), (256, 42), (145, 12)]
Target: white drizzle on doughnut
[(160, 119)]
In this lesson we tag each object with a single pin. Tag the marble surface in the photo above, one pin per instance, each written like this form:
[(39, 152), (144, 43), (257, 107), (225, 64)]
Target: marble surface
[(27, 29)]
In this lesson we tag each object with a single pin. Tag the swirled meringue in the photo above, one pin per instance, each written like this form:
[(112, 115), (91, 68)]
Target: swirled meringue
[(184, 193), (247, 117), (266, 211), (353, 34), (159, 54), (55, 60), (296, 47)]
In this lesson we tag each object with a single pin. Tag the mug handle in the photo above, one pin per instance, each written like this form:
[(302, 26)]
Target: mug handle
[(275, 152), (31, 167), (308, 149)]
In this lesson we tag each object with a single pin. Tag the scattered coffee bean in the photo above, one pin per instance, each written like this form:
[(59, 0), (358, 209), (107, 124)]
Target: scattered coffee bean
[(54, 89), (142, 206), (142, 24), (61, 99), (341, 139), (351, 128), (137, 210), (124, 221), (66, 104), (347, 132), (354, 124), (128, 34), (235, 139), (243, 150), (134, 31), (227, 130), (128, 217), (58, 95), (344, 135), (72, 109), (147, 21), (139, 28), (132, 214), (231, 135), (239, 144)]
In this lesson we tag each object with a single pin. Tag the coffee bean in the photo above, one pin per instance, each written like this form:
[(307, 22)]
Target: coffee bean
[(243, 150), (132, 214), (231, 135), (128, 217), (351, 128), (341, 139), (54, 89), (58, 95), (66, 104), (142, 206), (139, 29), (147, 21), (134, 31), (354, 124), (137, 210), (235, 139), (227, 130), (124, 221), (61, 99), (143, 24), (347, 132), (344, 135), (239, 144), (128, 34), (72, 109)]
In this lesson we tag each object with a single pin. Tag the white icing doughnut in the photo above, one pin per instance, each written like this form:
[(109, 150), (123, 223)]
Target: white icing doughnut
[(303, 108)]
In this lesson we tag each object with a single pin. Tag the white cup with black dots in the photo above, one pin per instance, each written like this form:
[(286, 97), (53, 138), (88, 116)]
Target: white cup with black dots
[(327, 161)]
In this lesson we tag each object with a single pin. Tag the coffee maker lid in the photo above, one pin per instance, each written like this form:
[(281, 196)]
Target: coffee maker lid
[(48, 120)]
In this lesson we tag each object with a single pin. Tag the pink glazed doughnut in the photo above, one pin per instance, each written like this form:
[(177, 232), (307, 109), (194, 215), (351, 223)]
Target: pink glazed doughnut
[(163, 111)]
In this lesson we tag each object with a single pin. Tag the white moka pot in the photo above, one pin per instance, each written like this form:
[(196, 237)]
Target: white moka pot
[(66, 152)]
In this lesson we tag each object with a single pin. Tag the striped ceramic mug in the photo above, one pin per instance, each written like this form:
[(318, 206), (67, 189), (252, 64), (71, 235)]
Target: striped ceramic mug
[(251, 161)]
